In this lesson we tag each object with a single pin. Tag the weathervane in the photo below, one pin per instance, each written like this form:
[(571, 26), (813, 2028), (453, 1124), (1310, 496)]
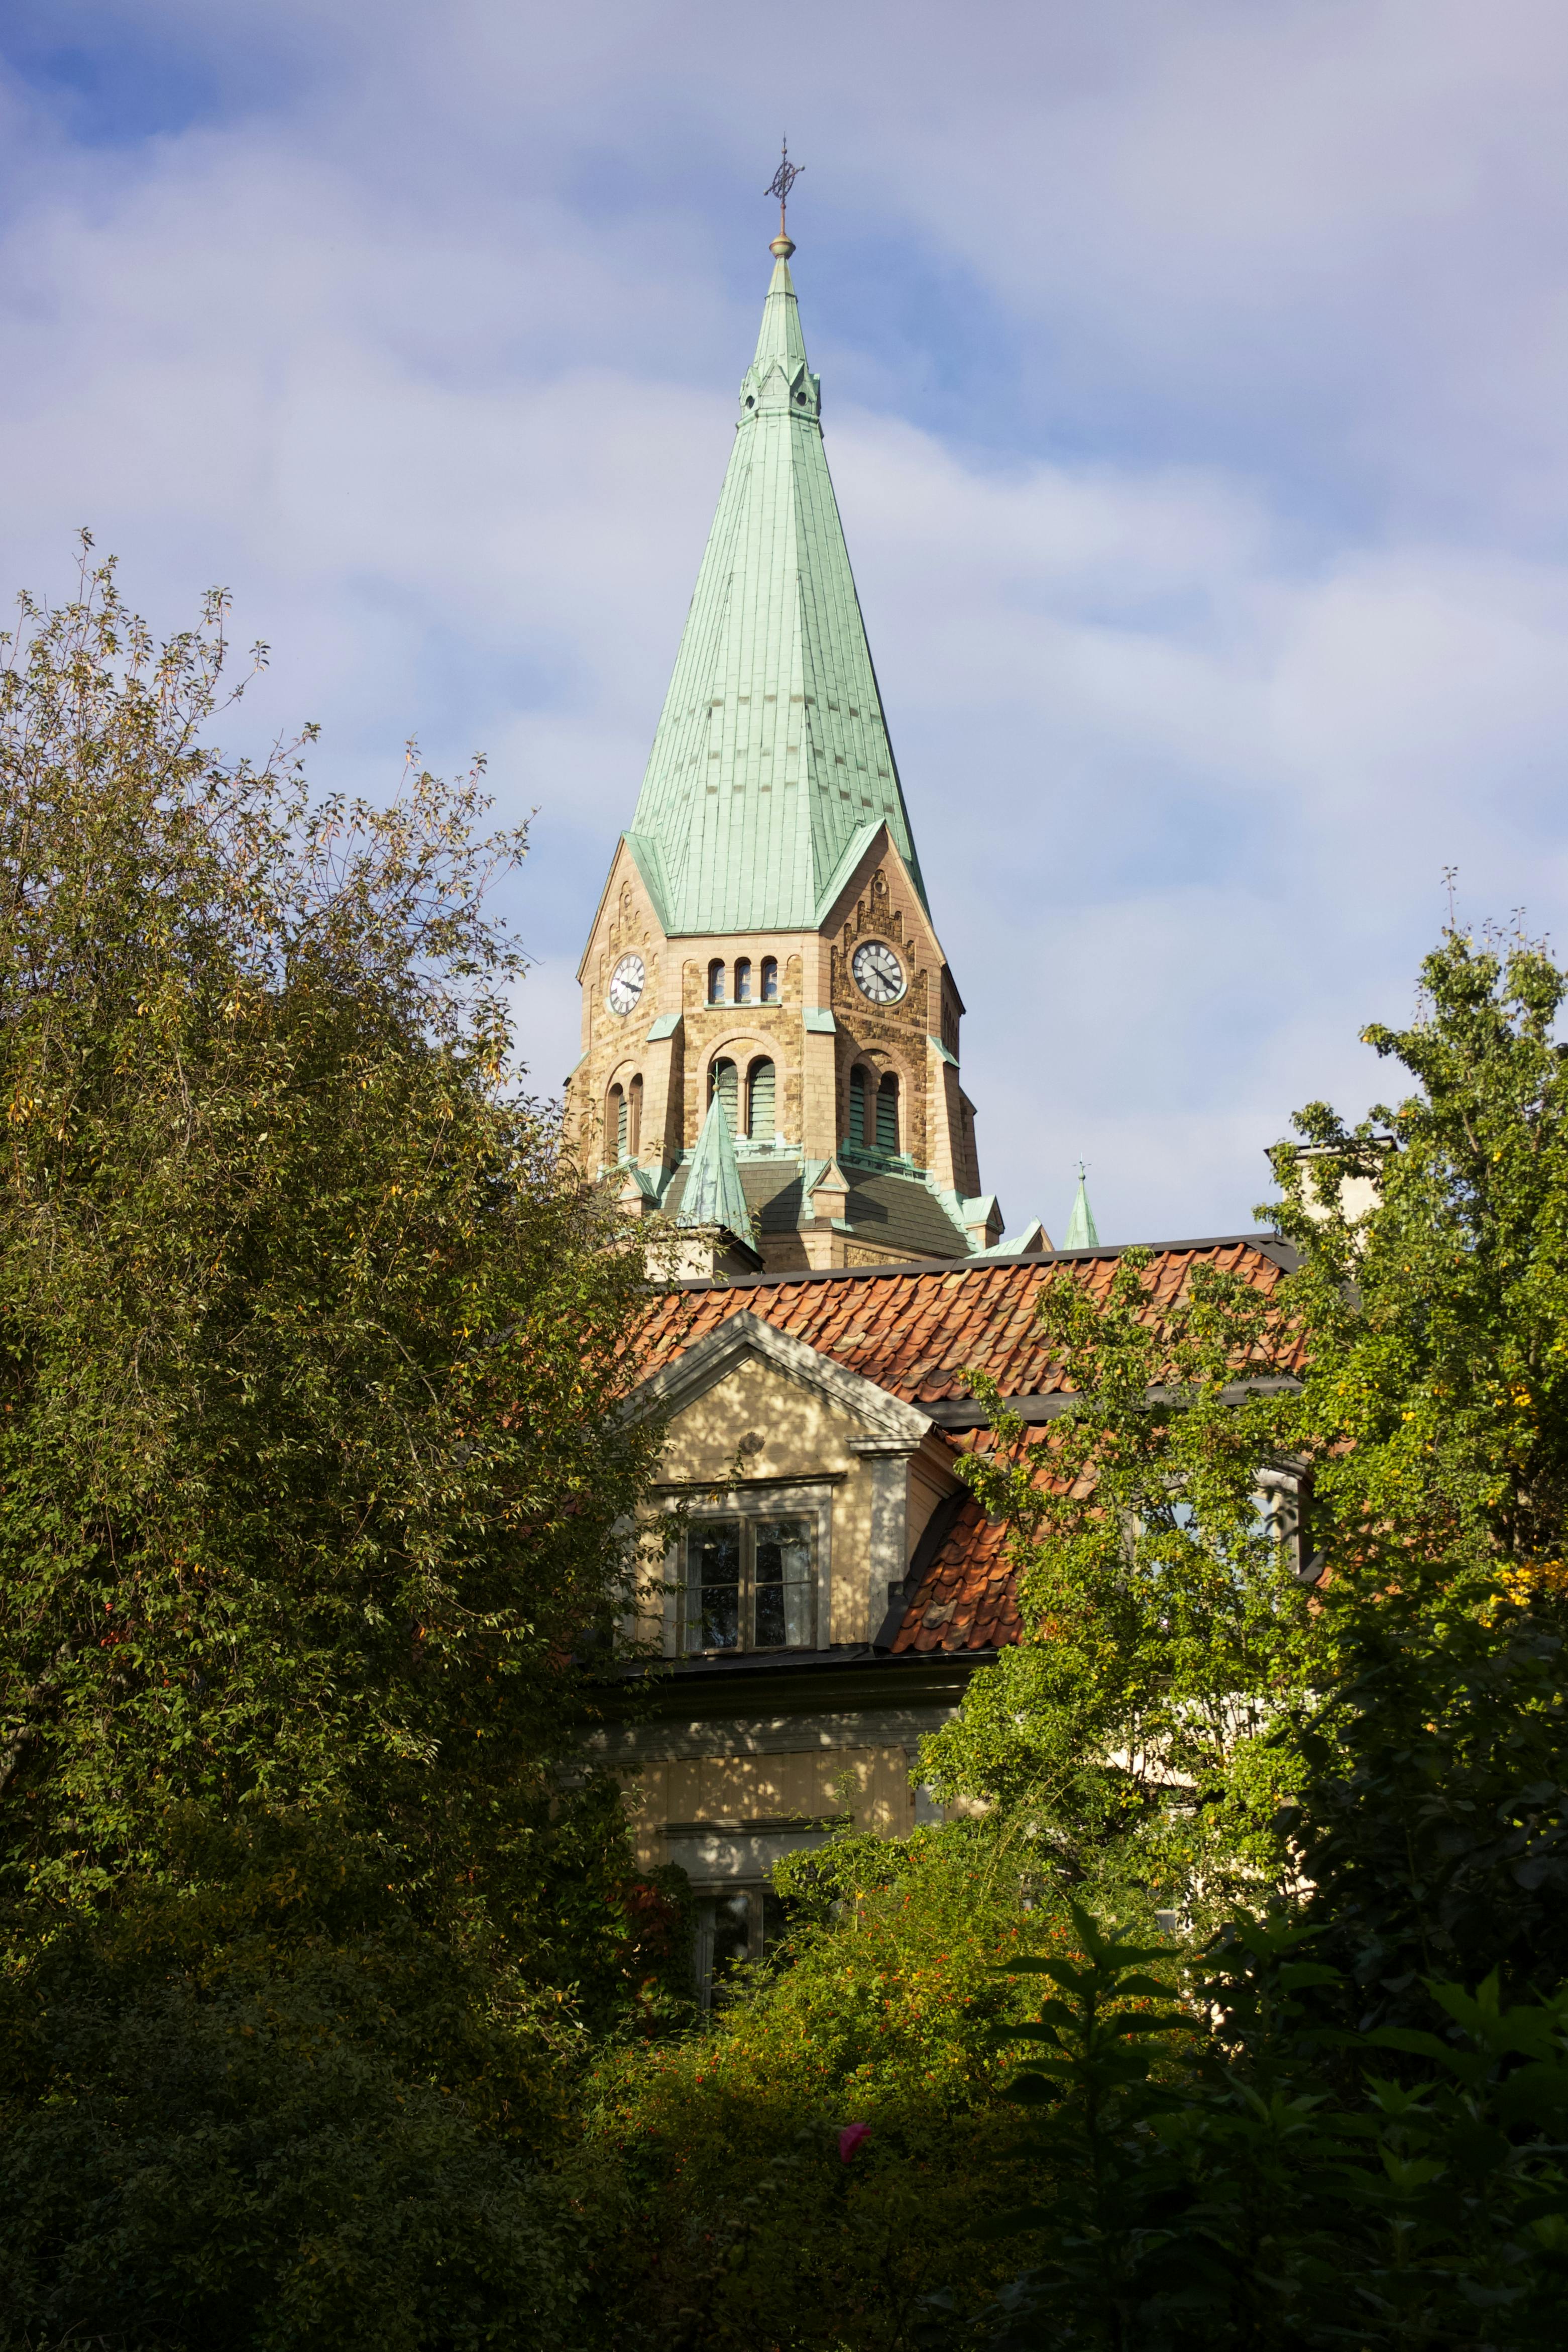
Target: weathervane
[(780, 185)]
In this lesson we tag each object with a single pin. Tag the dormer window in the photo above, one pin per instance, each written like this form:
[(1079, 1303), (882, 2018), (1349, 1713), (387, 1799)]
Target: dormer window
[(748, 1584)]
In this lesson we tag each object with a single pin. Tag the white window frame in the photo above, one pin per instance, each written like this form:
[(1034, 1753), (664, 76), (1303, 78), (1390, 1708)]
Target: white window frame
[(763, 1501)]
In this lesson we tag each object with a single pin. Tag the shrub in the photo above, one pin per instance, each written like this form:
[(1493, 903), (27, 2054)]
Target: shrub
[(738, 2216)]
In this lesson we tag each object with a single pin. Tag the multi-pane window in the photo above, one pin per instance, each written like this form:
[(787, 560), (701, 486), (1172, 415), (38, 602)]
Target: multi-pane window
[(743, 981), (770, 979), (1277, 1519), (748, 1585), (716, 982)]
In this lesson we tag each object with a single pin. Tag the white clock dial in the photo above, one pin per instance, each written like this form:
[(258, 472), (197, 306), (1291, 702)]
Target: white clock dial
[(878, 973), (626, 983)]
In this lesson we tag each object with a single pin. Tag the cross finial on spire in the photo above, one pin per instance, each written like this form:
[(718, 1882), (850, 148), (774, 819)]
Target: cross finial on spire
[(780, 185)]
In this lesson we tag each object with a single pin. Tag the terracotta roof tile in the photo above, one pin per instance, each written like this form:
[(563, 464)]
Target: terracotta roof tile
[(966, 1599), (912, 1331)]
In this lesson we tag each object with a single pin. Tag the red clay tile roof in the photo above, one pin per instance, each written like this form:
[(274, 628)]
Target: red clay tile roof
[(912, 1331), (965, 1601)]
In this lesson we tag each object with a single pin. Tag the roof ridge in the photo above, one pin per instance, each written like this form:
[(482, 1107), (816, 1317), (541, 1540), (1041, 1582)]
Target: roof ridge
[(1268, 1244)]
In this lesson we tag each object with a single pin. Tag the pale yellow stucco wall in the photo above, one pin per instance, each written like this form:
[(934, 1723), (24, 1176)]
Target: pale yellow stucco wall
[(763, 1426), (870, 1783)]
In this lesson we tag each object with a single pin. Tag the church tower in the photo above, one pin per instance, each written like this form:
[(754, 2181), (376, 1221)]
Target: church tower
[(764, 938)]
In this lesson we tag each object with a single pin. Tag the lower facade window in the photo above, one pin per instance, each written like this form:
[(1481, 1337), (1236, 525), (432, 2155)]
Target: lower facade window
[(748, 1585), (731, 1929)]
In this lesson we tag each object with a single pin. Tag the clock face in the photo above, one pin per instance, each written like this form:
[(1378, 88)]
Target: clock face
[(626, 984), (878, 973)]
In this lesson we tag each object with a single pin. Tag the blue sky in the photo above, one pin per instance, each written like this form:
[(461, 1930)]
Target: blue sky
[(1193, 382)]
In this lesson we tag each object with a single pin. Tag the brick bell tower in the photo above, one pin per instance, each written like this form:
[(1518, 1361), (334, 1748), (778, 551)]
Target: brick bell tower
[(764, 938)]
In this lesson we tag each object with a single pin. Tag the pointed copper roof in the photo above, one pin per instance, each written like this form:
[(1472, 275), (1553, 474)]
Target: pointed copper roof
[(772, 760), (714, 1194), (1082, 1232)]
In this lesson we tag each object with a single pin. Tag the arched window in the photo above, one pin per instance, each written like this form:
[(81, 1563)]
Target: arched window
[(857, 1106), (759, 1098), (634, 1117), (724, 1081), (615, 1122), (770, 979), (716, 982), (887, 1113), (743, 980)]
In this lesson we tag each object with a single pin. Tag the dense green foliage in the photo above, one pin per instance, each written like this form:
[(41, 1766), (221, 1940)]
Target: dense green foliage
[(1408, 1380), (1434, 1411), (1432, 1816), (1203, 2175), (737, 2220), (258, 2100), (307, 1338), (1166, 1629)]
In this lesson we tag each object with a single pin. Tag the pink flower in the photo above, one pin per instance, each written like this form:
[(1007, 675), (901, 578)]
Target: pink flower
[(850, 2139)]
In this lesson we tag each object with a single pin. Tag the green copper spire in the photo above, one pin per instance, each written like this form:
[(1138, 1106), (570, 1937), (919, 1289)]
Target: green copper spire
[(714, 1194), (1082, 1232), (771, 765)]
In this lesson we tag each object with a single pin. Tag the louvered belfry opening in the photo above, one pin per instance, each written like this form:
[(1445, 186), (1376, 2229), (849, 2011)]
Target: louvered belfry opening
[(615, 1120), (760, 1091), (857, 1106), (724, 1081), (887, 1113), (634, 1117)]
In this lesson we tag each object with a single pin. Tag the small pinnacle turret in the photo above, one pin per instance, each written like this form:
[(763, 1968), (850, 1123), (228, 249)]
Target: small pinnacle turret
[(714, 1194), (1081, 1229)]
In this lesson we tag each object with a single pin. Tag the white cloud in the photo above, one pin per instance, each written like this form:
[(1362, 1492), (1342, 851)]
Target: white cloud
[(1223, 611)]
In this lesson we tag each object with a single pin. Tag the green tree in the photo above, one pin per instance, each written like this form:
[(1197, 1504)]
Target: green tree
[(736, 2213), (313, 1484), (311, 1337), (1433, 1291), (1411, 1377), (1165, 1626)]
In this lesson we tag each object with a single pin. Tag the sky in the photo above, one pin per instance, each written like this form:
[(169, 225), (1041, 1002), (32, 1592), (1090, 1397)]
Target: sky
[(1195, 389)]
